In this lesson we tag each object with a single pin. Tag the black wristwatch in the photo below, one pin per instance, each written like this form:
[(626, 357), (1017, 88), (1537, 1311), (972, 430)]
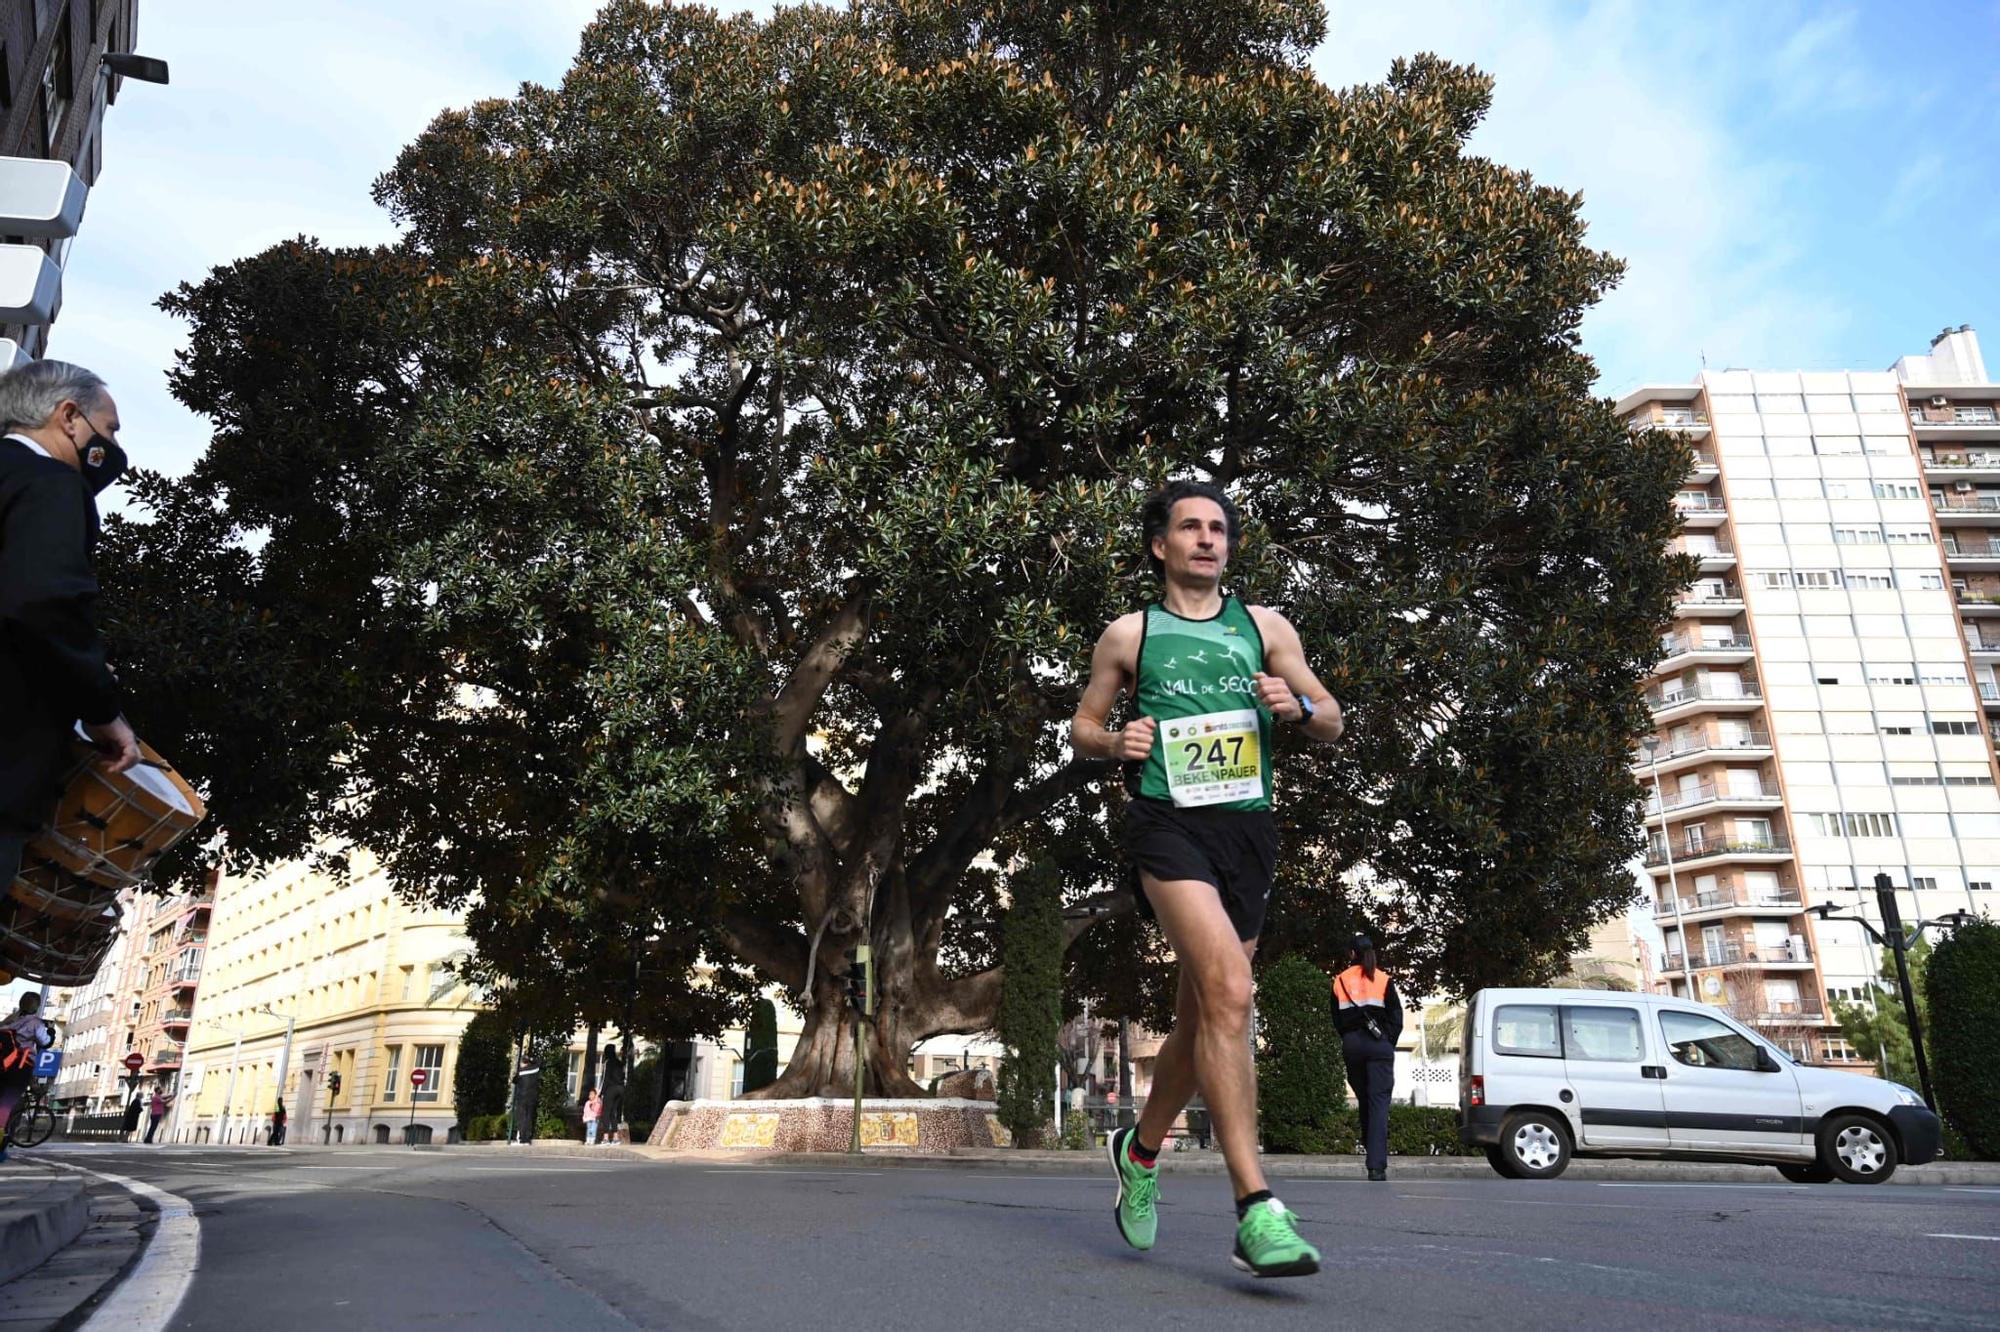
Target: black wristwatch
[(1306, 711)]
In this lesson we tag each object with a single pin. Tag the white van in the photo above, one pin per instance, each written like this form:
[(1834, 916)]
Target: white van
[(1549, 1074)]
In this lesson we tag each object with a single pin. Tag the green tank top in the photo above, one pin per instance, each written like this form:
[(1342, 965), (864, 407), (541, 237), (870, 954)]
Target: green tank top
[(1197, 679)]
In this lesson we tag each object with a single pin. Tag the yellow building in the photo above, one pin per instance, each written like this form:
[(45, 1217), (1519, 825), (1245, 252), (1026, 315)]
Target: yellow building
[(364, 979)]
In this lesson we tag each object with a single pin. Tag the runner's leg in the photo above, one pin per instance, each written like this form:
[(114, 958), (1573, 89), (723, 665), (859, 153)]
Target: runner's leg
[(1174, 1081), (1204, 941)]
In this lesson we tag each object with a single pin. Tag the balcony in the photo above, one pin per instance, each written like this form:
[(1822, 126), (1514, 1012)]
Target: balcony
[(1978, 600), (1704, 467), (1743, 953), (1705, 601), (1972, 465), (1708, 793), (1686, 699), (1699, 511), (1983, 645), (1782, 1013), (1974, 551), (164, 1059), (1728, 901), (1689, 852), (1966, 421), (178, 1018), (1712, 556), (1953, 509), (1682, 751), (1694, 650)]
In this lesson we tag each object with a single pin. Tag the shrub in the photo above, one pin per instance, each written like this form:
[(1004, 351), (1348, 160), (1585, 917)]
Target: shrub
[(642, 1129), (1298, 1059), (760, 1061), (479, 1085), (1076, 1134), (1031, 948), (485, 1128), (1962, 984)]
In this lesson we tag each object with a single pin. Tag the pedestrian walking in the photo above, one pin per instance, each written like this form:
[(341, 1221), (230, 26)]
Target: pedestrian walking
[(156, 1111), (1368, 1013), (613, 1083), (527, 1090), (593, 1106), (1208, 677), (277, 1138), (23, 1037), (60, 450), (134, 1109)]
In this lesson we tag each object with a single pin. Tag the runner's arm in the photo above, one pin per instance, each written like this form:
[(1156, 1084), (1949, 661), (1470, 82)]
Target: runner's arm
[(1285, 659), (1089, 737)]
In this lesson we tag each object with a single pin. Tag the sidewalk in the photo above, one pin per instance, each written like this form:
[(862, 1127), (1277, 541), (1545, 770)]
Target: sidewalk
[(1959, 1173), (41, 1209)]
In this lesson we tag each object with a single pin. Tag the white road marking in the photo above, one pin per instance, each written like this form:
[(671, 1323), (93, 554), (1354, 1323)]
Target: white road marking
[(1520, 1202), (781, 1170), (1782, 1188), (1990, 1239), (539, 1169), (1961, 1188), (151, 1292), (338, 1167)]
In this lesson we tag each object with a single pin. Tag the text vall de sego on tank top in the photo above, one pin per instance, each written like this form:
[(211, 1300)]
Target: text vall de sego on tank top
[(1198, 679)]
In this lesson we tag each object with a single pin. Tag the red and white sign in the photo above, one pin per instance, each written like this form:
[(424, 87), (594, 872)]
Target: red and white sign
[(418, 1077), (135, 1061)]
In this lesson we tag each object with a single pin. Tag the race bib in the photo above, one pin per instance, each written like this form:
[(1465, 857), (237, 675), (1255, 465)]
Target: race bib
[(1213, 758)]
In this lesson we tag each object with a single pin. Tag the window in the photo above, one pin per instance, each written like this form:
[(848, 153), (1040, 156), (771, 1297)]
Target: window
[(1940, 674), (1923, 885), (1896, 490), (430, 1058), (6, 80), (1980, 885), (1816, 577), (1898, 730), (1840, 1052), (1870, 581), (1853, 825), (1972, 415), (1954, 728), (409, 981), (1527, 1029), (1892, 673), (1928, 582), (1857, 536), (1776, 578), (1908, 536), (1703, 1042), (395, 1068), (573, 1075), (56, 89), (1609, 1034)]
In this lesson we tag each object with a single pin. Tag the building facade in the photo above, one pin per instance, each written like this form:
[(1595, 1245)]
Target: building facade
[(54, 91), (364, 981), (1824, 702)]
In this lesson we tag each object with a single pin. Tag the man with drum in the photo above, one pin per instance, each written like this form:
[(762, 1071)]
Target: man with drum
[(59, 452)]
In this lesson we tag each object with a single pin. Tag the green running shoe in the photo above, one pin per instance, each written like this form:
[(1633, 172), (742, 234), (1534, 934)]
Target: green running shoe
[(1138, 1191), (1268, 1245)]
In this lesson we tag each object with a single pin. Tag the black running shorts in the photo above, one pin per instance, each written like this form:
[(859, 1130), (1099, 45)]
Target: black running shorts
[(1234, 849)]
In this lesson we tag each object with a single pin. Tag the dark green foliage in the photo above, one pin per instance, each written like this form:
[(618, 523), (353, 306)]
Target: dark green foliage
[(1963, 985), (642, 1090), (1881, 1033), (485, 1128), (760, 1060), (1031, 1002), (688, 540), (1414, 1130), (482, 1081), (1298, 1056)]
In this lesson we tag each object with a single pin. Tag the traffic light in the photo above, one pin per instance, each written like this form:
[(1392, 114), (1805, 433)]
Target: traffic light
[(859, 979), (332, 1085)]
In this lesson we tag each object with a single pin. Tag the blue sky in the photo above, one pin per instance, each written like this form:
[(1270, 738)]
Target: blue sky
[(1793, 185)]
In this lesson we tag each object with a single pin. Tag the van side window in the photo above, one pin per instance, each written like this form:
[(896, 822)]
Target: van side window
[(1527, 1029), (1702, 1042), (1610, 1034)]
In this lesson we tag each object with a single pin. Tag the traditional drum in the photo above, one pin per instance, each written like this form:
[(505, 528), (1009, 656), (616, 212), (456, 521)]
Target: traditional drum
[(50, 949), (48, 889), (111, 828)]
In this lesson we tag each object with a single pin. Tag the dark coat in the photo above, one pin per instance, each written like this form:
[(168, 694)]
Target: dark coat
[(52, 667)]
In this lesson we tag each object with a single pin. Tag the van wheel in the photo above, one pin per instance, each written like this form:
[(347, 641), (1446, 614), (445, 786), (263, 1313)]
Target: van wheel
[(1857, 1149), (1535, 1145), (1807, 1174), (1498, 1160)]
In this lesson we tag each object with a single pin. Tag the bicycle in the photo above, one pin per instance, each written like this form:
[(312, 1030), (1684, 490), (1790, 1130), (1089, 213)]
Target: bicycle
[(33, 1120)]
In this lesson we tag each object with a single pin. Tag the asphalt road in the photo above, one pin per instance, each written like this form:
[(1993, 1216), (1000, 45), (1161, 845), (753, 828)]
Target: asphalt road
[(377, 1238)]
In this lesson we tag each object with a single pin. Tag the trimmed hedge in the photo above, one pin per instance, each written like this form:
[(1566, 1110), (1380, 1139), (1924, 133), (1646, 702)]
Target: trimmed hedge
[(1298, 1058), (1031, 947), (1962, 985), (485, 1128)]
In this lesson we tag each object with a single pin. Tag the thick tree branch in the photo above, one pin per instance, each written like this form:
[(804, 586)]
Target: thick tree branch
[(777, 952), (793, 708)]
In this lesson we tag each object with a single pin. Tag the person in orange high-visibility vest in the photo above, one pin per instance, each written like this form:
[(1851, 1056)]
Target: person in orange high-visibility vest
[(1369, 1016)]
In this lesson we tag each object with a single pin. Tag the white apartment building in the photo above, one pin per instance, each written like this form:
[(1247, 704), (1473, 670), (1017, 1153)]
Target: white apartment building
[(1825, 700)]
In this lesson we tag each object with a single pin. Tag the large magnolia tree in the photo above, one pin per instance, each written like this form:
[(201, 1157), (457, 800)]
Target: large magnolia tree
[(689, 540)]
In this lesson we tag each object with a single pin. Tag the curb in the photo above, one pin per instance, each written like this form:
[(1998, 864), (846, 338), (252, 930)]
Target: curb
[(41, 1227), (609, 1151)]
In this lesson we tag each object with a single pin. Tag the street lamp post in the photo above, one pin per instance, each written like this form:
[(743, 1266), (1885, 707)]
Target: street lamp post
[(285, 1055), (1897, 940), (229, 1090), (1651, 744)]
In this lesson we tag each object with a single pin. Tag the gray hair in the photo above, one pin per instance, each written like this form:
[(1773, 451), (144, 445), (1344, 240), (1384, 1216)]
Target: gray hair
[(30, 395)]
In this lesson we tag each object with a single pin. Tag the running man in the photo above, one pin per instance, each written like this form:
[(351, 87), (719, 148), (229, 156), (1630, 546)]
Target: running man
[(1209, 675)]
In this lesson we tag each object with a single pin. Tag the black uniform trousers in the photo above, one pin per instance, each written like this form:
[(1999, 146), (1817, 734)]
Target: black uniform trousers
[(1371, 1071)]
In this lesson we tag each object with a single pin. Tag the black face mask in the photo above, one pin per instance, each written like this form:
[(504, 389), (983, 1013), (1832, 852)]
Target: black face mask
[(101, 460)]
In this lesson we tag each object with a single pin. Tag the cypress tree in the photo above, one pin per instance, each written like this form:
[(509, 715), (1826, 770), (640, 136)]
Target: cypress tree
[(1031, 1001), (1962, 985)]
